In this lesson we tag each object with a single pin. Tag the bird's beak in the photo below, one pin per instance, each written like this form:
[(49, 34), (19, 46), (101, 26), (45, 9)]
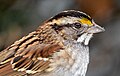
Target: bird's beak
[(95, 28)]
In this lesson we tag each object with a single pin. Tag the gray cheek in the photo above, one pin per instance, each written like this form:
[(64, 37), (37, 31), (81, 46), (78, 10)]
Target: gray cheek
[(70, 31)]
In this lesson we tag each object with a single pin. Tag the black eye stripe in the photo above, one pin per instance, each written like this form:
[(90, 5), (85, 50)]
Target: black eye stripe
[(59, 27), (56, 27)]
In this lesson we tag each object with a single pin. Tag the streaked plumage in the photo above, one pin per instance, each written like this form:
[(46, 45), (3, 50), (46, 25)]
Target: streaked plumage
[(56, 48)]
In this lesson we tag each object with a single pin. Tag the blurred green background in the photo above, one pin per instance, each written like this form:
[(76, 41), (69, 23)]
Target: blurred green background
[(19, 17)]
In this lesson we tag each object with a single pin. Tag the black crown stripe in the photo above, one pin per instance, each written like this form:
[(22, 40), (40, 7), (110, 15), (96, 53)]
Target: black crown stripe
[(70, 13)]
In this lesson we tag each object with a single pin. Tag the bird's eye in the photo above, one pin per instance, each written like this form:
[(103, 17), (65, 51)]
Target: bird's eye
[(77, 25)]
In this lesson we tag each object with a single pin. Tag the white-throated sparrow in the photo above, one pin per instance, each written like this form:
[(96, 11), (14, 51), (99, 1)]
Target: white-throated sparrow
[(59, 47)]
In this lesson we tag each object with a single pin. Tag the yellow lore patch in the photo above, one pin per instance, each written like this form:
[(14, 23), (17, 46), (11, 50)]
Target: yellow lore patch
[(86, 21)]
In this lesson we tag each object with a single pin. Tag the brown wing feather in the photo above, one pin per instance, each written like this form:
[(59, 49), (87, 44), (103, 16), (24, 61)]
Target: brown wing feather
[(27, 55), (6, 70), (30, 54), (31, 60)]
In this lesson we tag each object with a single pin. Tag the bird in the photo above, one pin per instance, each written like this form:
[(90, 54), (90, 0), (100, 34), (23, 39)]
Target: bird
[(58, 47)]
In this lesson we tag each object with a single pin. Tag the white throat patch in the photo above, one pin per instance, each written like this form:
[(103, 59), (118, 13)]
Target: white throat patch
[(85, 38)]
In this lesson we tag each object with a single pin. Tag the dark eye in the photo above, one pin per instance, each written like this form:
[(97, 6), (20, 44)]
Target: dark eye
[(77, 25)]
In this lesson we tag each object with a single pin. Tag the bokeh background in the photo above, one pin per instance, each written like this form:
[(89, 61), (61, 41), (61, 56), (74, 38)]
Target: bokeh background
[(19, 17)]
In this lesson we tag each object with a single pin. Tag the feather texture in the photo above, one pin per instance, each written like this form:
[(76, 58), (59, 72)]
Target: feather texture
[(56, 48)]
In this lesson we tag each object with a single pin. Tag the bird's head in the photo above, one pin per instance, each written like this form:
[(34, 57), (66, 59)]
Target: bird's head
[(75, 25)]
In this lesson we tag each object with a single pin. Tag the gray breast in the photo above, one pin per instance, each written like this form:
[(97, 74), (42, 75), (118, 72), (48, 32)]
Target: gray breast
[(76, 64)]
